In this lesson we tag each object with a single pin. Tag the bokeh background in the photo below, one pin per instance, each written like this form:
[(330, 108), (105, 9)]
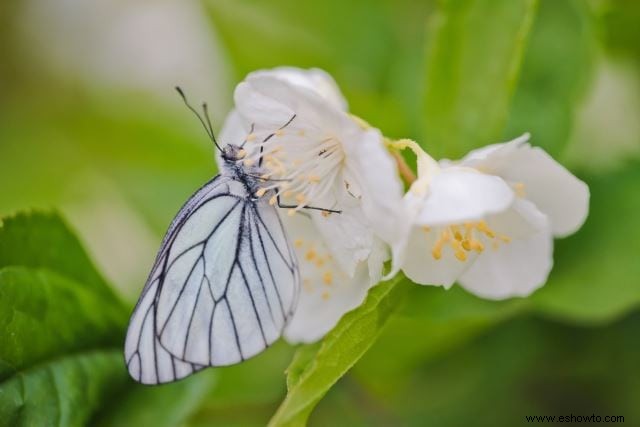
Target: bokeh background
[(90, 125)]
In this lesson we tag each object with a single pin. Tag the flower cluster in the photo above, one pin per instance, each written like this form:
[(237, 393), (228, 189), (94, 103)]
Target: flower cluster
[(486, 221)]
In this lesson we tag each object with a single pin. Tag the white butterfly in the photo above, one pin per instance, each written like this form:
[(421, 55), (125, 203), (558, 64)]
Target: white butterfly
[(224, 284)]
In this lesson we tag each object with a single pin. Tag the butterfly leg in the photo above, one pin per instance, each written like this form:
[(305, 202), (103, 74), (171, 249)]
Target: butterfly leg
[(283, 206)]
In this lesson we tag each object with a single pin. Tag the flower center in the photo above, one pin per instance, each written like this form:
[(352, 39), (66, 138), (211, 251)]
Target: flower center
[(300, 165), (464, 238)]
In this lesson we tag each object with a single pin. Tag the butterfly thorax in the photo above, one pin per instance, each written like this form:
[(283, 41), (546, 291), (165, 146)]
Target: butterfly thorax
[(233, 165)]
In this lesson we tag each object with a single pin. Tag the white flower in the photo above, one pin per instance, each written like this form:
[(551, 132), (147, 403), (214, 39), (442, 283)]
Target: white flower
[(315, 155), (488, 221)]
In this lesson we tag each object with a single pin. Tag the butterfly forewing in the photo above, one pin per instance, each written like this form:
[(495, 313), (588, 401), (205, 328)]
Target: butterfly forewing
[(221, 290)]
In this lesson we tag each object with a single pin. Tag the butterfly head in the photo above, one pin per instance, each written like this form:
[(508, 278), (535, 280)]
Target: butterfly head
[(233, 153)]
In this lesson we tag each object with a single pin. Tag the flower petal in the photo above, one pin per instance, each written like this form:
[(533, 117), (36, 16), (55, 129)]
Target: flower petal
[(327, 292), (516, 268), (347, 236), (374, 171), (419, 265), (457, 195), (555, 191), (313, 79)]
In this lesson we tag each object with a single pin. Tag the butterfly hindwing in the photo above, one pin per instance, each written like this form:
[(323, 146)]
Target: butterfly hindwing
[(221, 290)]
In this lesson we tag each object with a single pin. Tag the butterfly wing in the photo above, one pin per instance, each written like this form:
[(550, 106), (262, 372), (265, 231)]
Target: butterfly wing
[(221, 290)]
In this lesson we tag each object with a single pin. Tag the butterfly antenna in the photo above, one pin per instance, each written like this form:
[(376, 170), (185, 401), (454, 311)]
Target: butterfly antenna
[(208, 130), (205, 109)]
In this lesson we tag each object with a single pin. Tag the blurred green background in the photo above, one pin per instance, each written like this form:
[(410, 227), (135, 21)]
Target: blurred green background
[(90, 125)]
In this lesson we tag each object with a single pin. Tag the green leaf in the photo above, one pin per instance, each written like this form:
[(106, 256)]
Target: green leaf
[(43, 240), (44, 315), (473, 60), (161, 406), (557, 68), (63, 392), (337, 353), (433, 322)]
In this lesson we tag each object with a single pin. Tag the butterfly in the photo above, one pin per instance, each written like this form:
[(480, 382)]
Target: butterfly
[(224, 283)]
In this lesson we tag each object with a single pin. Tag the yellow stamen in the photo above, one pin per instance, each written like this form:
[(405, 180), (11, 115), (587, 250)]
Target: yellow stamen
[(327, 278), (310, 255)]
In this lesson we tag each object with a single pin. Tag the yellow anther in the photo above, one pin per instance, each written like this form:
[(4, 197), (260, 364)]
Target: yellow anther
[(519, 189), (298, 243), (456, 233), (436, 252), (326, 295), (310, 255), (505, 239), (327, 278), (291, 212), (300, 198), (482, 226), (273, 200), (261, 192), (476, 245), (458, 250)]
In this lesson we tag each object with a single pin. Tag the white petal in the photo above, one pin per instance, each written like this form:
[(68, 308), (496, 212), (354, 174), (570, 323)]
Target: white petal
[(321, 304), (555, 191), (271, 102), (513, 269), (234, 130), (419, 265), (347, 235), (313, 79), (372, 169), (458, 195)]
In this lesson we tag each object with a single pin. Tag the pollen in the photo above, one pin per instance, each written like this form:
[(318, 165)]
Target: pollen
[(326, 214), (248, 162), (310, 255), (326, 295), (279, 132), (242, 152), (298, 243), (273, 200), (300, 198), (291, 212), (261, 192), (464, 238), (301, 132), (519, 189), (327, 278)]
